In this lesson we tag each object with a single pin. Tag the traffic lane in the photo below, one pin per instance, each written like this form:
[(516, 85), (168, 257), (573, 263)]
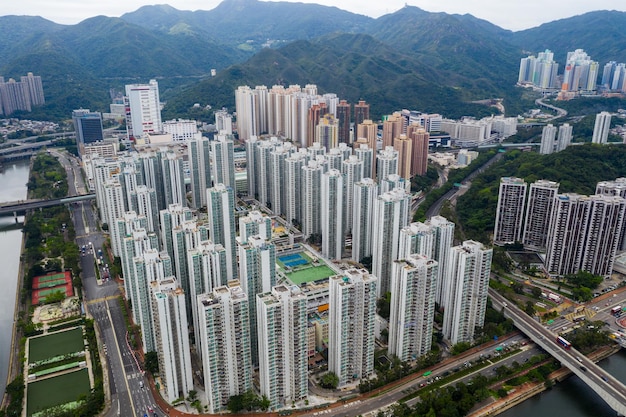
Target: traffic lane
[(529, 326)]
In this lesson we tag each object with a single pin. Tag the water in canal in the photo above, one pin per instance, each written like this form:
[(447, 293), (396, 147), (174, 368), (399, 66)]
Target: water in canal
[(13, 181)]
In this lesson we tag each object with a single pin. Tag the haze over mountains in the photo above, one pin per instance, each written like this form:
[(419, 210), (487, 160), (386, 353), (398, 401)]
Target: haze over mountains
[(411, 58)]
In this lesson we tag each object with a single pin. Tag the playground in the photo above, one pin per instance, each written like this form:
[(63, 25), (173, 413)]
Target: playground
[(301, 267)]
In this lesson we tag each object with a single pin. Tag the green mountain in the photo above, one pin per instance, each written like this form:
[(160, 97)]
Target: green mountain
[(250, 23), (352, 66), (15, 29), (600, 34)]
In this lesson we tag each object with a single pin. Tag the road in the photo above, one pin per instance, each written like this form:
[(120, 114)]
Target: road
[(559, 112), (128, 387), (605, 385), (436, 207), (370, 406)]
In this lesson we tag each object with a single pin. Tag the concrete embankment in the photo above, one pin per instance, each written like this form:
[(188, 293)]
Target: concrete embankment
[(530, 389)]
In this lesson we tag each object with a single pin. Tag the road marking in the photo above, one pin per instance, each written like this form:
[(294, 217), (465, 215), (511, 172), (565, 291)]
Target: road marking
[(101, 300), (119, 353)]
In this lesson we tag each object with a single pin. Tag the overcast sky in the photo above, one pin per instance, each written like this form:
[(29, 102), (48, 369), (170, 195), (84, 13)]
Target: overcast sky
[(509, 14)]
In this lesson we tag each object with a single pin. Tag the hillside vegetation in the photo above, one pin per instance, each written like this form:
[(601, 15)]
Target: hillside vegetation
[(577, 169)]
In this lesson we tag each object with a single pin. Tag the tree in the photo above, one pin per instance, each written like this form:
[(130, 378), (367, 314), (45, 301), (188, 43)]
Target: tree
[(530, 308), (330, 380), (536, 292), (151, 362)]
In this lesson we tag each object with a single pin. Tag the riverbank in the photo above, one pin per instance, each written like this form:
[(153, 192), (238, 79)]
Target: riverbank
[(13, 367), (529, 389)]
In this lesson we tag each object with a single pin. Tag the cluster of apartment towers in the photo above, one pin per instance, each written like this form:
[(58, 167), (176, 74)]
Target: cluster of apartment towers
[(551, 141), (573, 232), (183, 270)]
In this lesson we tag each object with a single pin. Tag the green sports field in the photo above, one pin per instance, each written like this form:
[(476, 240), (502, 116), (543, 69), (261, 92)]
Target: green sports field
[(312, 273), (56, 391), (56, 344)]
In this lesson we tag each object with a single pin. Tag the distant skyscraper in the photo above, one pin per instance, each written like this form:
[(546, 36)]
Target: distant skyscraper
[(14, 96), (172, 338), (510, 211), (224, 345), (404, 147), (601, 128), (548, 136), (311, 198), (352, 313), (327, 131), (539, 71), (199, 169), (114, 209), (369, 131), (365, 194), (343, 118), (391, 212), (35, 89), (223, 165), (386, 163), (539, 211), (361, 112), (564, 137), (143, 109), (392, 128), (581, 72), (282, 326), (173, 177), (223, 122), (469, 266), (366, 155), (88, 128), (352, 170), (413, 297), (294, 165), (419, 137), (221, 211), (332, 201), (277, 177)]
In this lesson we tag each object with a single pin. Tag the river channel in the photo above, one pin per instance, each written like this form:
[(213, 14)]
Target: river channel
[(13, 181)]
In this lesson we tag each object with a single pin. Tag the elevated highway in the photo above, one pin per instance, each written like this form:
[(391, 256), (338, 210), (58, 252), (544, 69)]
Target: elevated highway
[(605, 385), (20, 207)]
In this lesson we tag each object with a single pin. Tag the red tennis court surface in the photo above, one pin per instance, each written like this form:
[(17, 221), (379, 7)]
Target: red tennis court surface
[(45, 285)]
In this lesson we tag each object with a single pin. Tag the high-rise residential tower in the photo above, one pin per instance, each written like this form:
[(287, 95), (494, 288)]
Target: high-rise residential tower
[(469, 267), (601, 127), (224, 345), (539, 211), (510, 211), (352, 313), (282, 327), (413, 297), (143, 109), (221, 211), (332, 201)]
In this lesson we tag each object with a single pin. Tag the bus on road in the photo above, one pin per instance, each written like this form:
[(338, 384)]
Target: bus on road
[(564, 343), (616, 310)]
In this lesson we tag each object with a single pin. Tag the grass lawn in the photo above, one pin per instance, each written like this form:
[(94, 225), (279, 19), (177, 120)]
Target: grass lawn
[(56, 344), (55, 391), (310, 274)]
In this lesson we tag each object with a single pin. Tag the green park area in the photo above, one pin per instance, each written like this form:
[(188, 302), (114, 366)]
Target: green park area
[(51, 392), (56, 344)]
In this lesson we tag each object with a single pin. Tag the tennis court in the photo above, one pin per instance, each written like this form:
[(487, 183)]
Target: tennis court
[(55, 344), (45, 285)]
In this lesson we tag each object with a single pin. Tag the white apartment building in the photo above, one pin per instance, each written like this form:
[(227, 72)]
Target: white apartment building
[(510, 211), (224, 345), (465, 293), (283, 345), (172, 338), (413, 296), (352, 313)]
